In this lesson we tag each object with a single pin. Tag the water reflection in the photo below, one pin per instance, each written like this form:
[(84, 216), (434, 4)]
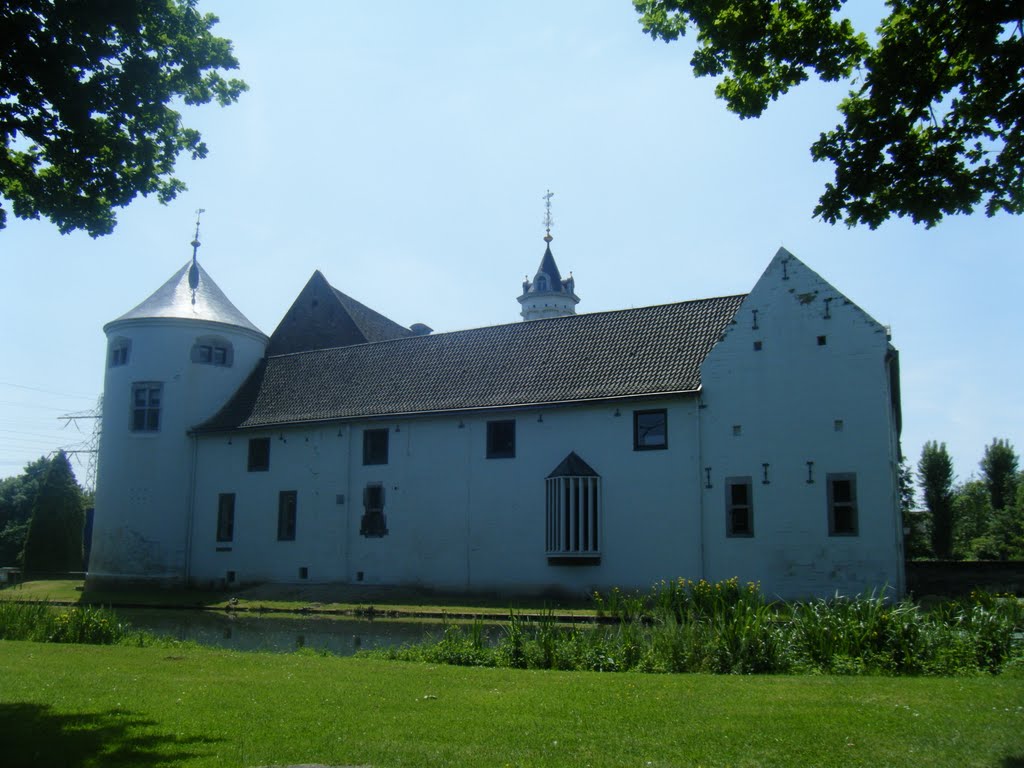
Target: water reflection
[(246, 632)]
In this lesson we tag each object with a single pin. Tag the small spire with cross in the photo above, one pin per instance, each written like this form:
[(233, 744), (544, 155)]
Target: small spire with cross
[(193, 272), (548, 221)]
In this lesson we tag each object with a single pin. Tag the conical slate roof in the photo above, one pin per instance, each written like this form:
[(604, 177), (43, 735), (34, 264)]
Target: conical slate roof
[(174, 299)]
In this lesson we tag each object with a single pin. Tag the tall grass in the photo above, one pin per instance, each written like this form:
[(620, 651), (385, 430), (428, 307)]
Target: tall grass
[(726, 627), (42, 623)]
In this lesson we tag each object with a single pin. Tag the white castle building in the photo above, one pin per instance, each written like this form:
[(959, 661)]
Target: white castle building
[(753, 436)]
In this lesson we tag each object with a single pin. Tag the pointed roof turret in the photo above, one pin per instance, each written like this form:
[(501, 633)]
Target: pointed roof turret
[(177, 299), (190, 294), (548, 295)]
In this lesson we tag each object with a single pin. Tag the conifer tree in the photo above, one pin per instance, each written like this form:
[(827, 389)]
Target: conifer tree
[(935, 473), (54, 541)]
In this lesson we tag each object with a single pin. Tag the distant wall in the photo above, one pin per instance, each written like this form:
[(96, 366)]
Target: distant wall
[(948, 577)]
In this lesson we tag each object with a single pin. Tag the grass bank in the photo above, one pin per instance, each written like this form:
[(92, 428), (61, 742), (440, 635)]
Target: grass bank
[(327, 599), (115, 706)]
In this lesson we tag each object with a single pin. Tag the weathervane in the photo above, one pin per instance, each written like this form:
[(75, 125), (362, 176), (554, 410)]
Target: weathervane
[(548, 221), (193, 271)]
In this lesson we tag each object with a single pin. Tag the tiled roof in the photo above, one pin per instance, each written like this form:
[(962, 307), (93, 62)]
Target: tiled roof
[(601, 355), (174, 299), (322, 316)]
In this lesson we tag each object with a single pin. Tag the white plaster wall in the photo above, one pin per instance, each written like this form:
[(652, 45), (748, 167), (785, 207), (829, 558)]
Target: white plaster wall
[(786, 399), (544, 305), (144, 478), (456, 520)]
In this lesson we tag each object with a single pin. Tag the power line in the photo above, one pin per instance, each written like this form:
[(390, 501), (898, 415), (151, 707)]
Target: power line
[(46, 391)]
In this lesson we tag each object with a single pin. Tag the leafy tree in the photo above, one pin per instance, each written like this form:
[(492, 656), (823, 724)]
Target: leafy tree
[(935, 473), (999, 471), (17, 495), (54, 541), (972, 512), (933, 124), (85, 89)]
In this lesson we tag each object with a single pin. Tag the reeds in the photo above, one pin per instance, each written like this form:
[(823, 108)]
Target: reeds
[(726, 627)]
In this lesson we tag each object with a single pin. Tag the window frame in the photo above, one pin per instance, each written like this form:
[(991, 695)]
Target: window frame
[(374, 523), (213, 350), (119, 352), (501, 446), (225, 518), (639, 443), (253, 463), (287, 515), (376, 446), (149, 411), (731, 530), (850, 504)]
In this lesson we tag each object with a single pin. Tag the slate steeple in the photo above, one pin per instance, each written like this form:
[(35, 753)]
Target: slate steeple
[(548, 295)]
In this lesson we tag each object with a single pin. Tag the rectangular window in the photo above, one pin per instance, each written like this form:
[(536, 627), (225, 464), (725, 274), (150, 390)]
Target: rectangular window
[(119, 352), (842, 504), (501, 439), (287, 504), (146, 397), (204, 353), (259, 454), (220, 356), (226, 517), (650, 430), (375, 446), (373, 524), (739, 506)]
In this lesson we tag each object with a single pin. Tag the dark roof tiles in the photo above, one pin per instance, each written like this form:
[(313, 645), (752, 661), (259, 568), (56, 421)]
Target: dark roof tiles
[(602, 355)]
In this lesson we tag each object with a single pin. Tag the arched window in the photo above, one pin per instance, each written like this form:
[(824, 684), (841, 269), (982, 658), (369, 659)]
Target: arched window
[(119, 350), (213, 350), (573, 512)]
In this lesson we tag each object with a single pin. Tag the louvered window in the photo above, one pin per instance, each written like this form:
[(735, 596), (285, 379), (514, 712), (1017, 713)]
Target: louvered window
[(573, 512)]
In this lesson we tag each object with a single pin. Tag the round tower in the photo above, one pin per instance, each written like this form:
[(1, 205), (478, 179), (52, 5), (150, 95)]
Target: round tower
[(172, 362), (548, 295)]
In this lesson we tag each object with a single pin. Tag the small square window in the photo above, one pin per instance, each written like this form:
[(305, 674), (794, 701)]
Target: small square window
[(837, 425), (204, 353), (259, 454), (375, 446), (842, 504), (220, 356), (758, 346), (226, 517), (822, 341), (287, 508), (501, 439), (737, 430), (739, 506), (650, 430), (119, 352)]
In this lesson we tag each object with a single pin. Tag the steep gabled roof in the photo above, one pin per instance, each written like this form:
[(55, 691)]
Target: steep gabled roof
[(174, 299), (322, 316), (626, 353)]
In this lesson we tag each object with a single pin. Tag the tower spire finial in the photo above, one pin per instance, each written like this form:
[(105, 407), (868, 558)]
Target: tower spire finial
[(193, 271), (548, 221)]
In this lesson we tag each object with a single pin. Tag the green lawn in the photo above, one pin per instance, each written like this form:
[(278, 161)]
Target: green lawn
[(80, 706)]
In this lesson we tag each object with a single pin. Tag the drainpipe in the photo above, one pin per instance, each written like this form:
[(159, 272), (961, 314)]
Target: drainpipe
[(700, 485), (191, 509)]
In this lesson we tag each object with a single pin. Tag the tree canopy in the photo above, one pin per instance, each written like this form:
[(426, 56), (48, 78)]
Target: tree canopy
[(935, 472), (934, 123), (86, 95)]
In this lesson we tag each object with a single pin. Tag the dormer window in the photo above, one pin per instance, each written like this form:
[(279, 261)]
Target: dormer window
[(213, 350), (541, 283), (119, 349)]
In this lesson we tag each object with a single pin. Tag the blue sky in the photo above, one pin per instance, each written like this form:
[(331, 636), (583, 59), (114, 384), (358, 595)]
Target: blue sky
[(403, 150)]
